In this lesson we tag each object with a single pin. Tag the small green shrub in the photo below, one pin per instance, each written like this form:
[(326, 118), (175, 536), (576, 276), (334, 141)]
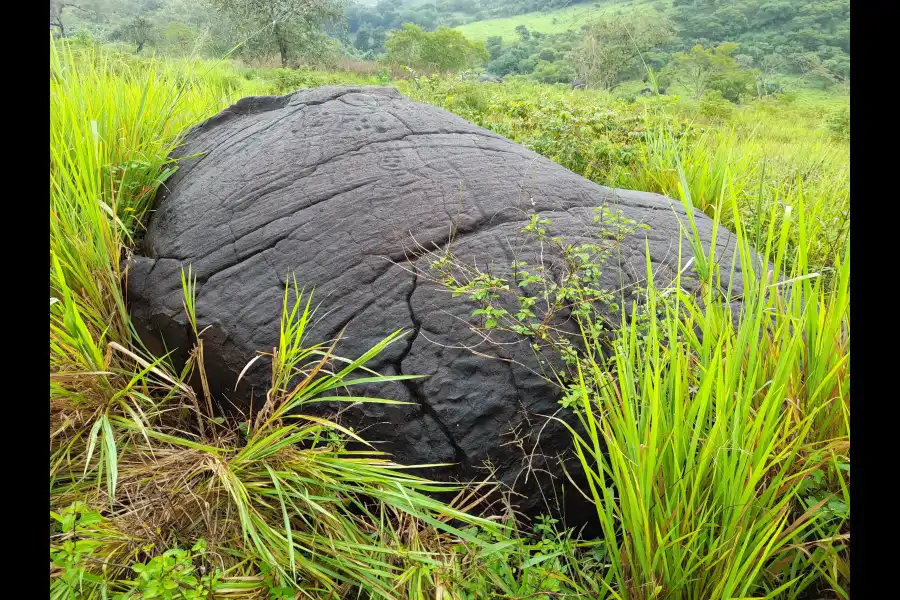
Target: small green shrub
[(172, 576), (787, 98), (383, 77), (715, 106), (85, 539), (289, 80), (838, 123), (84, 38), (544, 564), (79, 534)]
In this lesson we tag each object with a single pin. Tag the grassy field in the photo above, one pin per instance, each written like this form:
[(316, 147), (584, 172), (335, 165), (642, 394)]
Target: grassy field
[(727, 467), (551, 21)]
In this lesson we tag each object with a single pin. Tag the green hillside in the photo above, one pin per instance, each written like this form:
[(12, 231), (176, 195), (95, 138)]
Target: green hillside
[(555, 21)]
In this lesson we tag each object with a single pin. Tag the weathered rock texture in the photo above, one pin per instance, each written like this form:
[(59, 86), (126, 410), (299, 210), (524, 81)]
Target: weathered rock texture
[(343, 187)]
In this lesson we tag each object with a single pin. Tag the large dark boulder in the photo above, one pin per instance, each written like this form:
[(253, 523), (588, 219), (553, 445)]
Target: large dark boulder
[(345, 187)]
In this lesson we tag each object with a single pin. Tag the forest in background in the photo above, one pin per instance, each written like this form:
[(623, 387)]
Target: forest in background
[(745, 47)]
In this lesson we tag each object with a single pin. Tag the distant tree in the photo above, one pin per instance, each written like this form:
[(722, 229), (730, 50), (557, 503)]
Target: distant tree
[(370, 40), (553, 72), (363, 39), (767, 67), (178, 37), (140, 32), (610, 49), (745, 60), (523, 32), (494, 45), (508, 61), (441, 51), (814, 67), (732, 84), (57, 8), (695, 66), (284, 24), (714, 68), (547, 54)]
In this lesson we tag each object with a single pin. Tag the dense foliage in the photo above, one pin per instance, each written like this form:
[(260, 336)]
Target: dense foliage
[(815, 36), (391, 14), (781, 44), (440, 51), (279, 25), (701, 69), (544, 57), (611, 51)]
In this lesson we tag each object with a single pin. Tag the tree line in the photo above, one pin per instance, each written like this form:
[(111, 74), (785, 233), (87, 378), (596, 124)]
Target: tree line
[(734, 48)]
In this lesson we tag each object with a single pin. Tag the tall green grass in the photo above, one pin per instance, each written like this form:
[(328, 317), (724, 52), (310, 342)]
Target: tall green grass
[(715, 435), (717, 444), (763, 176), (715, 425), (111, 130)]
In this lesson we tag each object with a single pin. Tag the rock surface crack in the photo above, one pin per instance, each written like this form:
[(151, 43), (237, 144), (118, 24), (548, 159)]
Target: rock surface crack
[(415, 387)]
